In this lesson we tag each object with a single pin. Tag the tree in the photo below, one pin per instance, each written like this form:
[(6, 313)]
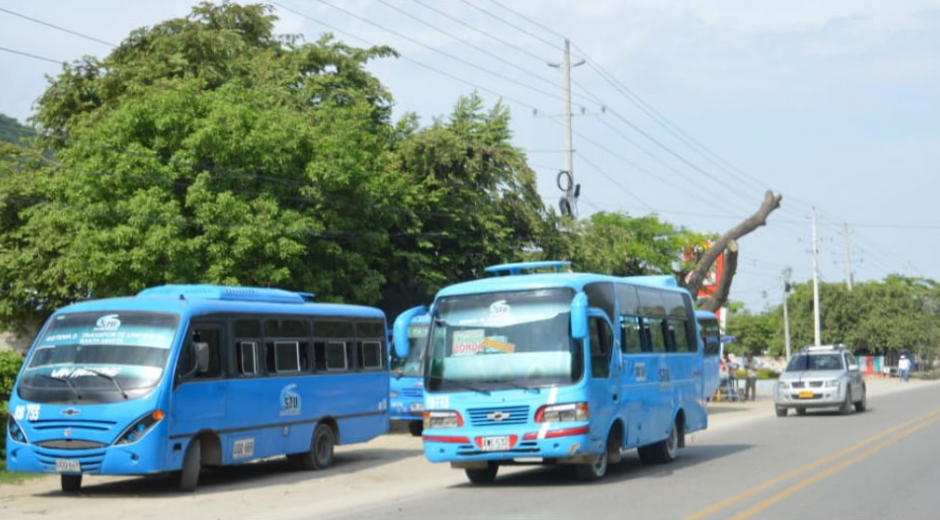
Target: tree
[(477, 202), (206, 149)]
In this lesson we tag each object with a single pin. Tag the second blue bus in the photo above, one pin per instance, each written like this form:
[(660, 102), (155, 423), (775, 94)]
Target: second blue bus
[(533, 367)]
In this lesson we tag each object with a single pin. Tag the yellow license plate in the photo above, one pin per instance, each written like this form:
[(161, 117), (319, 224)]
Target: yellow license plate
[(806, 394)]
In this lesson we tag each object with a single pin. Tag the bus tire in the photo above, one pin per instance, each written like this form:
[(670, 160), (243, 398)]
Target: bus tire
[(71, 483), (416, 428), (320, 454), (662, 451), (597, 469), (483, 475), (192, 463)]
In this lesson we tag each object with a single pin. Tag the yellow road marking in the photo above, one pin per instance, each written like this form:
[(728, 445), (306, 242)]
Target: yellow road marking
[(811, 466)]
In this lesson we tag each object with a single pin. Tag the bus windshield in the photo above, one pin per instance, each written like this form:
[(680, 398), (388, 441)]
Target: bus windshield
[(411, 365), (99, 357), (482, 342)]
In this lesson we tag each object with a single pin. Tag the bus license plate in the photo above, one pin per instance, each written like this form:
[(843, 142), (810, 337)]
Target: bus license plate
[(500, 443), (67, 466), (417, 407), (806, 394)]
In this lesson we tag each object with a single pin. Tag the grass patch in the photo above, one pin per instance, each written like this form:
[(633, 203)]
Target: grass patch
[(9, 477)]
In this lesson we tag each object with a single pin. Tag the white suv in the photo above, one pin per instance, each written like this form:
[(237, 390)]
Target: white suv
[(820, 377)]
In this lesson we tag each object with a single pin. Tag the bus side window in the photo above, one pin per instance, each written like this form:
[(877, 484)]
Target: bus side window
[(630, 335), (601, 347), (656, 334)]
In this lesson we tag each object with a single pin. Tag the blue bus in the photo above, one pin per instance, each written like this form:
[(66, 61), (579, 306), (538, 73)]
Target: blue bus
[(711, 338), (406, 391), (181, 377), (534, 367)]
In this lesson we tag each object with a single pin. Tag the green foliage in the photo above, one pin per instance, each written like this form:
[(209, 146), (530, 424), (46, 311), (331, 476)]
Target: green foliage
[(10, 363), (11, 131), (618, 244), (874, 317)]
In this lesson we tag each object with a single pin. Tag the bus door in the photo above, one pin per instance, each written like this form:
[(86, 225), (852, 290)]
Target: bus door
[(199, 392), (604, 376)]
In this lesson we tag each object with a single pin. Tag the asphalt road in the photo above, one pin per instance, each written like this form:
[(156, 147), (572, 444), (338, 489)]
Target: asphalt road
[(748, 464)]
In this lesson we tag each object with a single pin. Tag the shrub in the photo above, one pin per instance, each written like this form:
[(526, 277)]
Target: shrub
[(10, 363)]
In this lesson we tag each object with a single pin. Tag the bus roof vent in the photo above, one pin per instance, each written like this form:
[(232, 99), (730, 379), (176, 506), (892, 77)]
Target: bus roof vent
[(555, 266), (224, 292)]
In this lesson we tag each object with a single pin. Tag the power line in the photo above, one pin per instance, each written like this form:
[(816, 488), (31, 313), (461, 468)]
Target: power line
[(56, 27), (34, 56)]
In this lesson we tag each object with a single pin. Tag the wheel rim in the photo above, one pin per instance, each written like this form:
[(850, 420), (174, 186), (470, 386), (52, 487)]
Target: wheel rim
[(600, 464), (672, 444)]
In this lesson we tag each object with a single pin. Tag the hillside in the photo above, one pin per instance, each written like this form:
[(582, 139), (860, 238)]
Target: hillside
[(12, 131)]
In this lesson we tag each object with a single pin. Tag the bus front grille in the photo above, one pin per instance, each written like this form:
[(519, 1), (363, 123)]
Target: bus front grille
[(499, 416), (71, 444)]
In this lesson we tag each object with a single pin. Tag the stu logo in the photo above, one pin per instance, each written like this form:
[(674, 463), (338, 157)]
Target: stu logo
[(290, 400)]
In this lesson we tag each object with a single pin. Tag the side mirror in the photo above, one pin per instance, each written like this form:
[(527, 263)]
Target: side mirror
[(400, 329), (201, 352), (579, 320), (853, 367)]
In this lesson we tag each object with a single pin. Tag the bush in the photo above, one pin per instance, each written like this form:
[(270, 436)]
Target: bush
[(10, 363)]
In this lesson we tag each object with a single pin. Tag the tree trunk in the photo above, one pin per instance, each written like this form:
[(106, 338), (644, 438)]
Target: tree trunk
[(728, 243)]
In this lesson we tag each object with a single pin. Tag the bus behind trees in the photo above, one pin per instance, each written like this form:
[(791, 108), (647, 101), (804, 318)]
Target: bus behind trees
[(180, 377), (534, 367)]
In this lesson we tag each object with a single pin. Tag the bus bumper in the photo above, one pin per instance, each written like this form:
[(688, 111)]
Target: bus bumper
[(567, 444), (105, 461)]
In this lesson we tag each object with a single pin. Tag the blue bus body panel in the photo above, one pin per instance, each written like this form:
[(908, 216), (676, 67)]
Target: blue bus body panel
[(408, 404)]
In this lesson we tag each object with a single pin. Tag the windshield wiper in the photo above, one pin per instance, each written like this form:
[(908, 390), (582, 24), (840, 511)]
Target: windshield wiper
[(78, 395), (514, 385), (109, 378), (466, 386)]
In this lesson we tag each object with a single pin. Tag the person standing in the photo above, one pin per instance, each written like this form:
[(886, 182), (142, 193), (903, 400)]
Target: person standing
[(904, 367), (750, 384)]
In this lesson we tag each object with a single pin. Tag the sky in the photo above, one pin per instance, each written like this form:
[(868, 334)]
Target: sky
[(689, 110)]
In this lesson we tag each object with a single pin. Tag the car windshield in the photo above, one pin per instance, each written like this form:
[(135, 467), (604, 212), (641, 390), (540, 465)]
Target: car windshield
[(802, 362)]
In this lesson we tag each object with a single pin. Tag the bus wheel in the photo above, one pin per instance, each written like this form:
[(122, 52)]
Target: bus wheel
[(320, 454), (416, 428), (662, 451), (192, 462), (597, 469), (71, 483), (483, 476)]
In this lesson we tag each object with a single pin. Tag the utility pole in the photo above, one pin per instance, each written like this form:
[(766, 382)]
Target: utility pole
[(848, 263), (786, 318), (815, 284), (568, 203)]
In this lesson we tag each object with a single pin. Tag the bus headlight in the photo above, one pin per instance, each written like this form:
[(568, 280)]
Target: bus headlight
[(442, 419), (136, 431), (16, 433), (569, 412)]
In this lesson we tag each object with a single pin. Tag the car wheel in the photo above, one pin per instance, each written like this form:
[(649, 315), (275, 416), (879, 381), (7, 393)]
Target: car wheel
[(862, 403), (482, 475), (846, 407), (801, 411), (781, 411)]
